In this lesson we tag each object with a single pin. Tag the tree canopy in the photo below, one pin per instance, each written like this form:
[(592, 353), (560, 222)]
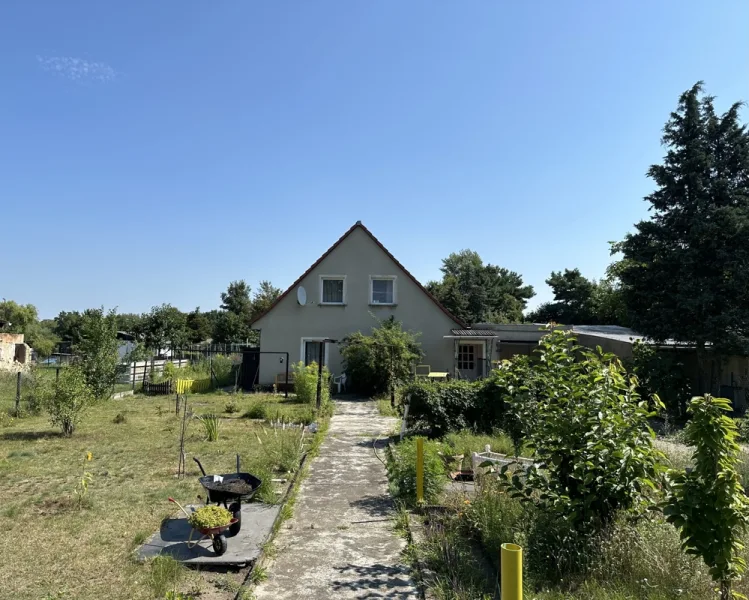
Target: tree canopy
[(581, 301), (684, 271), (477, 292), (24, 318)]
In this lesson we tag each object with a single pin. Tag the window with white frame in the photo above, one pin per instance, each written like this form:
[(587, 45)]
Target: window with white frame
[(382, 289), (332, 289)]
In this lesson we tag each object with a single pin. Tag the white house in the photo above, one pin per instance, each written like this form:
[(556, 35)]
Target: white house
[(356, 283)]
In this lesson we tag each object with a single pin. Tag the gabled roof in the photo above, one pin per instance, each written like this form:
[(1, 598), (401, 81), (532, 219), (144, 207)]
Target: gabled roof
[(359, 225)]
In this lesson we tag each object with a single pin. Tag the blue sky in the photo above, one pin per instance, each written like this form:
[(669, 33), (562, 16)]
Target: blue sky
[(153, 151)]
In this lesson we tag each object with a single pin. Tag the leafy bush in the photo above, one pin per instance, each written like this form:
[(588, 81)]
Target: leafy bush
[(708, 503), (305, 383), (208, 517), (256, 411), (481, 406), (663, 374), (231, 406), (67, 398), (382, 361), (402, 471), (443, 407), (591, 437)]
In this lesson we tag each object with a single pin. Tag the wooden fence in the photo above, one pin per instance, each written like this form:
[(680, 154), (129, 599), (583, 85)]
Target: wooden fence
[(137, 371), (155, 389)]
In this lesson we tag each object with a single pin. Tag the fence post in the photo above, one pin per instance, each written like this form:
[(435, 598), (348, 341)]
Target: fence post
[(511, 571), (420, 470), (132, 374), (18, 394)]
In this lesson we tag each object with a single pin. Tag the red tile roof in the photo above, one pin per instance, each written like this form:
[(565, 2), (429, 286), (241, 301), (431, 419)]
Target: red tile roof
[(359, 224)]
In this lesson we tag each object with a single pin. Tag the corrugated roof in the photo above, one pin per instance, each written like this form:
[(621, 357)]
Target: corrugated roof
[(475, 332), (356, 225)]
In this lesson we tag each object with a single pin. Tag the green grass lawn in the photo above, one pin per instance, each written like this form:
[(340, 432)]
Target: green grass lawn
[(54, 547)]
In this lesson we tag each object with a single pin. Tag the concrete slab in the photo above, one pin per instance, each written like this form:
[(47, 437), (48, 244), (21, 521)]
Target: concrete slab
[(243, 548), (341, 543)]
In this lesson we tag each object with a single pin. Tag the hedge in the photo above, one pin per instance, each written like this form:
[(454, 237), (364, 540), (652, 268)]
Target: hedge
[(455, 405)]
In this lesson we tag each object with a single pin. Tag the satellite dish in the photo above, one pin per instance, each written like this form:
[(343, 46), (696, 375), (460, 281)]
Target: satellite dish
[(301, 295)]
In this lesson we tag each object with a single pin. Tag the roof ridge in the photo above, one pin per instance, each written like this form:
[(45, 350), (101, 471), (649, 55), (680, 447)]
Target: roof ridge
[(337, 243)]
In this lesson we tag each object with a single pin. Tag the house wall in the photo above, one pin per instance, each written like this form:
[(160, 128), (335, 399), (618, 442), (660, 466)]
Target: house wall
[(14, 354), (357, 257)]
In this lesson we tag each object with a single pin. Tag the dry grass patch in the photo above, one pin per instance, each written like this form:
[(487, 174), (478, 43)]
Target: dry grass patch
[(86, 553)]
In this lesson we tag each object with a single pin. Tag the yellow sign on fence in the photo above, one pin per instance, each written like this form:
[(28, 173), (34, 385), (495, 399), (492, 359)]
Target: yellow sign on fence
[(185, 386)]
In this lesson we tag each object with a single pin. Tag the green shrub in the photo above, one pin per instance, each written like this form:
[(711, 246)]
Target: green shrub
[(231, 406), (257, 410), (708, 504), (305, 383), (402, 471), (380, 362), (67, 398), (662, 373), (591, 437), (444, 407)]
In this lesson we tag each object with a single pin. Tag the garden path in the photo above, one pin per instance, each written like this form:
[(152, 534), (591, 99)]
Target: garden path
[(340, 542)]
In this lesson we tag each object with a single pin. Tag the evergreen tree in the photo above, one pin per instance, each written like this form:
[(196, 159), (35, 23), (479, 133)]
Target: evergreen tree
[(684, 272)]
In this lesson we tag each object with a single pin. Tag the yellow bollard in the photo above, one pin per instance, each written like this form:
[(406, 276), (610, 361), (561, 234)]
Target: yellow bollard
[(511, 571), (420, 470)]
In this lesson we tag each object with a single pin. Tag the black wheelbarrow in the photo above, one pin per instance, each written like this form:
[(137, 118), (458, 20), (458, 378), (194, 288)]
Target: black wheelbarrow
[(229, 489)]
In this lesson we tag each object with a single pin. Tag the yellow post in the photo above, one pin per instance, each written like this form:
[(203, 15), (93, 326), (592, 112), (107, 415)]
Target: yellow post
[(420, 470), (511, 570)]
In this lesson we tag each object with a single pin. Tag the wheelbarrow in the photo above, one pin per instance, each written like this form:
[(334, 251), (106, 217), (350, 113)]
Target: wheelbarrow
[(229, 489), (218, 539)]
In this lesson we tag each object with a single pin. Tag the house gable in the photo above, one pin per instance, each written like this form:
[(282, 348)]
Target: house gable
[(312, 286)]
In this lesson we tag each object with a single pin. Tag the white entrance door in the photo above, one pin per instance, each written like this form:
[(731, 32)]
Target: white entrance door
[(470, 361)]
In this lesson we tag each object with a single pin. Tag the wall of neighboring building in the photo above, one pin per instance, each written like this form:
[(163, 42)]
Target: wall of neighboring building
[(623, 349), (357, 257), (14, 353)]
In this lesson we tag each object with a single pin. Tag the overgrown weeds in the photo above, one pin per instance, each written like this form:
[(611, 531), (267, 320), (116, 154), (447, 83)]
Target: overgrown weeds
[(165, 575)]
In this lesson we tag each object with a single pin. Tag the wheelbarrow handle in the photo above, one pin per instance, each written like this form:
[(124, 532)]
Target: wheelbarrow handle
[(202, 470)]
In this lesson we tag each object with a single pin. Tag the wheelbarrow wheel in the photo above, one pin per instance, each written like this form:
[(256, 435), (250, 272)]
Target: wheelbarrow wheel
[(236, 511), (219, 544)]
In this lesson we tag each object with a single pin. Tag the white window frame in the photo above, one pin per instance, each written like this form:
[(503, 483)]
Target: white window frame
[(394, 279), (335, 278), (326, 359)]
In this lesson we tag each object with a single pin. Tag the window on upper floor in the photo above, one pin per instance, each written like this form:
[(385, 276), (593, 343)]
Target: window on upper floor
[(332, 289), (382, 289)]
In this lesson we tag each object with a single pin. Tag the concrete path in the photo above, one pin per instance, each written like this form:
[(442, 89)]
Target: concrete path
[(340, 542)]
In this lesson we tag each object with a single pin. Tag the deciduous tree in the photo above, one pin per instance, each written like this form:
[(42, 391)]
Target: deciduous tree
[(99, 361), (477, 292)]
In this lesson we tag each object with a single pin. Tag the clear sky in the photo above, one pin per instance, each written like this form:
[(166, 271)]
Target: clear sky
[(153, 151)]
